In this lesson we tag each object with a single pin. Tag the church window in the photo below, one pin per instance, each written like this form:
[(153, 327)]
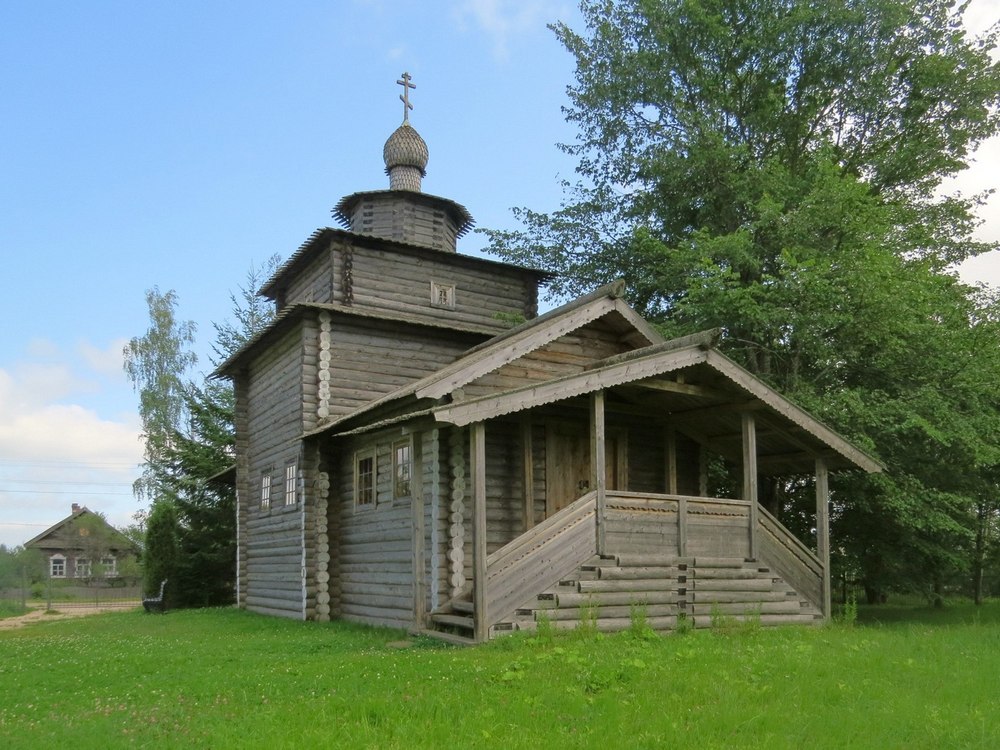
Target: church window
[(402, 469), (364, 479), (291, 484), (442, 295), (265, 491)]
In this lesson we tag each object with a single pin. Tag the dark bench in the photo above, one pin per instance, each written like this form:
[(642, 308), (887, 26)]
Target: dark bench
[(155, 603)]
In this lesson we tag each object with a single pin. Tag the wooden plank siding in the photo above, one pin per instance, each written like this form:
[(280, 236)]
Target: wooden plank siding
[(398, 282), (273, 536)]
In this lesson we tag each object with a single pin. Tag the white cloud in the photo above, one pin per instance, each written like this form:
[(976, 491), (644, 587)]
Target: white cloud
[(107, 361), (504, 19)]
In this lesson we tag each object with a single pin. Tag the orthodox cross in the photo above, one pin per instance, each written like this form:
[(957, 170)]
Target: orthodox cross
[(405, 96)]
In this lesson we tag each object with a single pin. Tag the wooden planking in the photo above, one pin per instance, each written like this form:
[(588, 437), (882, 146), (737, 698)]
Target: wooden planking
[(400, 282), (313, 283)]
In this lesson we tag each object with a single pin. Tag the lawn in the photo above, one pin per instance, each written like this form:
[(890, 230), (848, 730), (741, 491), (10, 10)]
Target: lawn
[(225, 678)]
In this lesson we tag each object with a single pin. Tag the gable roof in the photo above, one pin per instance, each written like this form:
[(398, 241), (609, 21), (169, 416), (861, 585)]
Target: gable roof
[(516, 342), (48, 538)]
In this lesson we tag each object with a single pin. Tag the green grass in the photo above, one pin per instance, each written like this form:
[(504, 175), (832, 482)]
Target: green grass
[(10, 608), (225, 678)]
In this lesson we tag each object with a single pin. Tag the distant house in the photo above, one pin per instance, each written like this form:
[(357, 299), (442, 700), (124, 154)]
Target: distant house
[(83, 545), (405, 457)]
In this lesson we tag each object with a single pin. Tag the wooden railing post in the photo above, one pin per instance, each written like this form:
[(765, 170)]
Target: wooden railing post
[(477, 451), (527, 474), (598, 464), (419, 559), (823, 529), (750, 476)]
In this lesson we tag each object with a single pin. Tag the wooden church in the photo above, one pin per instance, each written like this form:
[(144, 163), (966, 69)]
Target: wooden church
[(411, 454)]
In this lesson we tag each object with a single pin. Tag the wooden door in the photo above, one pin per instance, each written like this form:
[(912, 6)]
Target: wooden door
[(567, 464)]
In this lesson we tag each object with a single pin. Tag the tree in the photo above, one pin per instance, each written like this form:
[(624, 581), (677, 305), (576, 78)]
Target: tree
[(190, 441), (772, 167), (156, 364)]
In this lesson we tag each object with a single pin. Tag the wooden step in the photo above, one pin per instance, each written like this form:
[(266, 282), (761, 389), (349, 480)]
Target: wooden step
[(736, 596), (705, 621), (723, 584), (455, 621), (789, 607), (604, 585), (646, 571), (605, 625), (718, 562), (643, 559), (460, 605), (456, 640), (612, 598), (725, 573), (621, 611)]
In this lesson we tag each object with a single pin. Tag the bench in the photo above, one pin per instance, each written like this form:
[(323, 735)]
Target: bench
[(155, 603)]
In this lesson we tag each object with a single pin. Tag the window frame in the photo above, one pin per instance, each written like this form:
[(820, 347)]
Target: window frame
[(368, 454), (448, 290), (83, 568), (110, 565), (265, 490), (406, 491), (61, 561), (291, 483)]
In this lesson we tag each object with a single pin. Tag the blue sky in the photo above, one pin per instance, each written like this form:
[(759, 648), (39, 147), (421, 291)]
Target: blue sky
[(175, 144)]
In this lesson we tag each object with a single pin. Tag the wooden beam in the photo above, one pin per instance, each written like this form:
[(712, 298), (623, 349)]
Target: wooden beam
[(702, 470), (750, 476), (670, 459), (477, 452), (823, 529), (598, 463), (685, 389), (527, 474), (419, 559)]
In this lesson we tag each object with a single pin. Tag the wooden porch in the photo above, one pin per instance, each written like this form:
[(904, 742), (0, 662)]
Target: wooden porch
[(674, 555)]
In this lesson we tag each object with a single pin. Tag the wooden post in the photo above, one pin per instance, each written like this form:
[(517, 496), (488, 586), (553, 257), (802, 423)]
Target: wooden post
[(527, 474), (598, 463), (823, 529), (702, 471), (477, 438), (750, 476), (670, 443), (419, 573)]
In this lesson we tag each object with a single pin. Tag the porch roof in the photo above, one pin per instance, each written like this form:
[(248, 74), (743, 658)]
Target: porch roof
[(699, 390)]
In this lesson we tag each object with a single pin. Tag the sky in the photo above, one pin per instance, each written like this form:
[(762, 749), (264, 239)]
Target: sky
[(177, 144)]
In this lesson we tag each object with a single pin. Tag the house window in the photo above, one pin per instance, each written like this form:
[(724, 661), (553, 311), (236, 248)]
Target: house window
[(110, 566), (291, 484), (265, 491), (402, 469), (364, 479), (443, 295), (83, 567), (57, 566)]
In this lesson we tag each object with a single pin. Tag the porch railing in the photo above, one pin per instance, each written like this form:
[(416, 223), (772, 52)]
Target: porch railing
[(540, 557)]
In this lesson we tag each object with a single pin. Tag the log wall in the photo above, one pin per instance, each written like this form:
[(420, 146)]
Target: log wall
[(275, 536)]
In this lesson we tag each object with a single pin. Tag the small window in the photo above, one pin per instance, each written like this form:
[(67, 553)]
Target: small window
[(57, 566), (110, 566), (265, 491), (364, 479), (291, 484), (443, 295), (82, 567), (402, 469)]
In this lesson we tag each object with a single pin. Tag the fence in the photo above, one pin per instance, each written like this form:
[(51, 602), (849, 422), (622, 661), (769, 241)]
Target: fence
[(118, 592)]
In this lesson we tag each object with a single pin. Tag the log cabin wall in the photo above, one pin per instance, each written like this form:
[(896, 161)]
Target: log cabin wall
[(374, 561), (369, 358), (273, 539), (317, 281), (415, 282)]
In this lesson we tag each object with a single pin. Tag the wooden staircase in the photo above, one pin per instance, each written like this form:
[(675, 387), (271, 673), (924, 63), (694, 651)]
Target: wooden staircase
[(606, 592)]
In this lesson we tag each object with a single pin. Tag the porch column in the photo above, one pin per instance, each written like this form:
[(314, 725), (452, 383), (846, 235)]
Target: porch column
[(823, 529), (670, 443), (750, 476), (527, 474), (598, 463), (477, 453)]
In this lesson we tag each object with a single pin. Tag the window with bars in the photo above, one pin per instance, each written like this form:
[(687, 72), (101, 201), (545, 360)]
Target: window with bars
[(364, 479), (291, 484), (265, 491)]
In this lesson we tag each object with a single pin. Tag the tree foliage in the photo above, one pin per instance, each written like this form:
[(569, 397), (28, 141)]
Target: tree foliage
[(192, 445), (773, 168)]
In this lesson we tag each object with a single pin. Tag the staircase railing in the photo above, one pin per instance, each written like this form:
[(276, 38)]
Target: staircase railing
[(790, 558), (540, 557)]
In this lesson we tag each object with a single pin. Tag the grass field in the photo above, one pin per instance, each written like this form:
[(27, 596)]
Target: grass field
[(901, 678)]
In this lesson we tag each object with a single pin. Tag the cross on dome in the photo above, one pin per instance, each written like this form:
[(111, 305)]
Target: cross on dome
[(405, 96)]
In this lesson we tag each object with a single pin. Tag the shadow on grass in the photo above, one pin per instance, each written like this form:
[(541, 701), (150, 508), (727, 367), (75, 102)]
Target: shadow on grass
[(918, 612)]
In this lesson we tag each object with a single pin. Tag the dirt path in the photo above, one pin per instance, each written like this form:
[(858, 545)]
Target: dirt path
[(40, 615)]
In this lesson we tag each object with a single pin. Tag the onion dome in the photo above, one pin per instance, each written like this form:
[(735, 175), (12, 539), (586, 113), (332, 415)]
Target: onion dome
[(405, 155)]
